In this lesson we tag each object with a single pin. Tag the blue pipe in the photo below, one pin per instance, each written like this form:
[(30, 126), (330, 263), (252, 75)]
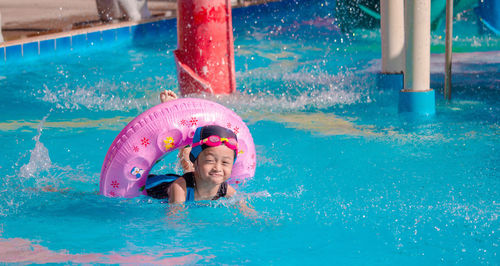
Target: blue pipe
[(417, 102)]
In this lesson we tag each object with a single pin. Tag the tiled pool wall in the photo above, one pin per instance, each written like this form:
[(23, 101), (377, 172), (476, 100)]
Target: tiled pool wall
[(81, 39)]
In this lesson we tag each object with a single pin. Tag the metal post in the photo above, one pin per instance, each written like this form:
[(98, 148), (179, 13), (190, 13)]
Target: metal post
[(448, 51), (418, 45), (1, 36), (417, 97), (393, 35)]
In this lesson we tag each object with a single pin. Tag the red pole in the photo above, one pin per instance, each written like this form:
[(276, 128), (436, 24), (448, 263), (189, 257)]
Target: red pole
[(205, 54)]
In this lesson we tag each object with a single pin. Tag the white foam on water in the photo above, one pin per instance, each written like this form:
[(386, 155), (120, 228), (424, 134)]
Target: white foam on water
[(103, 97), (322, 91), (313, 88)]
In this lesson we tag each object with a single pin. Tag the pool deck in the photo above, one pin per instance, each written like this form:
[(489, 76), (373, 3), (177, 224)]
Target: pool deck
[(23, 19), (29, 19)]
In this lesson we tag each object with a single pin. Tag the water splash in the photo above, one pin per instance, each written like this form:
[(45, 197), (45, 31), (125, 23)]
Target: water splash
[(39, 156), (39, 162), (40, 172), (103, 97), (322, 91)]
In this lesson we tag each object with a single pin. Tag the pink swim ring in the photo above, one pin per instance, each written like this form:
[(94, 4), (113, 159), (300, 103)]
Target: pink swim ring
[(161, 130)]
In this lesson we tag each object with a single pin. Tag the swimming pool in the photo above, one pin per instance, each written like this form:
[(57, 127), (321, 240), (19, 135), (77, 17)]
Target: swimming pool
[(342, 178)]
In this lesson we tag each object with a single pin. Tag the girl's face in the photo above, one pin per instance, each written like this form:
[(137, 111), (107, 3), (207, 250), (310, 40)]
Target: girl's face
[(214, 164)]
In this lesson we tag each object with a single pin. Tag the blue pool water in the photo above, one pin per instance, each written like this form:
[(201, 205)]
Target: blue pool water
[(342, 178)]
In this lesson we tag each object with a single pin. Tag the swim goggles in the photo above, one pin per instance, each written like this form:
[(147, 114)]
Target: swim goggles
[(214, 141)]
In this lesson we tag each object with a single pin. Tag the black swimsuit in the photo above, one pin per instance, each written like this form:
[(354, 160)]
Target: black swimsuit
[(157, 186)]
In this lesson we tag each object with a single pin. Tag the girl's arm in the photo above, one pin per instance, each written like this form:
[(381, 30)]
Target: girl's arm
[(230, 191), (177, 191), (243, 206)]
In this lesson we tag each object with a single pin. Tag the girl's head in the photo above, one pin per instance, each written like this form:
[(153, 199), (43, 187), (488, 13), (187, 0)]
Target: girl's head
[(212, 136), (213, 153)]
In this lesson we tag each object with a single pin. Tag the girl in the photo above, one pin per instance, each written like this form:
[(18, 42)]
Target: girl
[(211, 158)]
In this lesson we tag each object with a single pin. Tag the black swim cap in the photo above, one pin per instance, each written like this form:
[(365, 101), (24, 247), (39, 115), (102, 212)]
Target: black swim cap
[(205, 132)]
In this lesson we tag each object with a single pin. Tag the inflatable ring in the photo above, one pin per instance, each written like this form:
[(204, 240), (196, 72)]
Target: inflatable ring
[(161, 130)]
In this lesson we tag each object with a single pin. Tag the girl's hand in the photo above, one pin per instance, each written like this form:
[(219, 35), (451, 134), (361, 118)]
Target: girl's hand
[(167, 95), (186, 164)]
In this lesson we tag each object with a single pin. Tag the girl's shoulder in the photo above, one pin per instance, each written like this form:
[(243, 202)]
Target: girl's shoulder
[(188, 179), (177, 191), (180, 181)]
